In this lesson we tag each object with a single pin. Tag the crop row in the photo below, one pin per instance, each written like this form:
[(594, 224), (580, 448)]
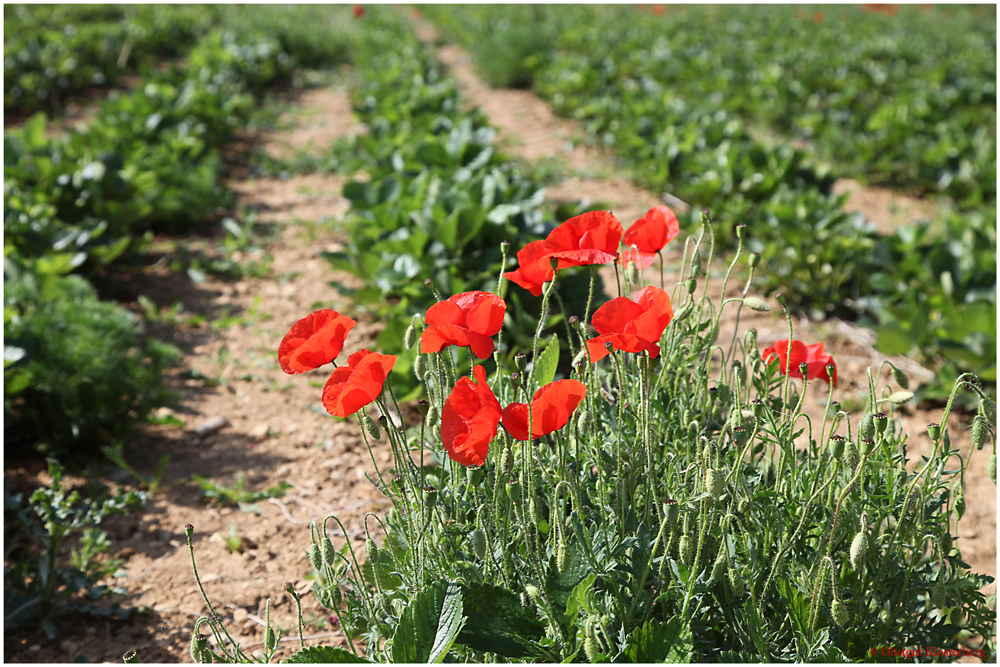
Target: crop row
[(635, 88)]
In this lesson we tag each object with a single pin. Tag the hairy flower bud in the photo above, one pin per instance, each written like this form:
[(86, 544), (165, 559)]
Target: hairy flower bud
[(507, 466), (859, 550), (583, 421), (939, 595), (563, 556), (409, 337), (839, 613), (989, 411), (686, 550), (327, 551), (270, 639), (900, 378), (478, 539), (691, 285), (978, 432), (432, 415), (958, 616), (753, 303), (960, 504), (371, 551), (991, 468), (632, 273), (590, 647), (718, 569), (371, 427), (315, 557), (715, 481), (420, 366), (736, 582)]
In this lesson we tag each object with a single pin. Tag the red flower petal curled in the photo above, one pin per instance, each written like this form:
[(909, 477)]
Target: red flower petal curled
[(533, 267), (466, 320), (354, 386), (469, 420), (515, 420), (632, 326), (590, 238), (551, 408), (812, 355), (650, 234), (314, 340)]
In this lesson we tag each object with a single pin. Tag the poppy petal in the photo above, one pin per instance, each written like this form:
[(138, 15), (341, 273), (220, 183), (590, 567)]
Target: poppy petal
[(515, 420), (534, 268), (621, 342), (484, 312), (615, 315), (313, 341), (354, 386), (589, 238), (553, 405), (656, 315), (445, 312), (470, 419), (653, 231)]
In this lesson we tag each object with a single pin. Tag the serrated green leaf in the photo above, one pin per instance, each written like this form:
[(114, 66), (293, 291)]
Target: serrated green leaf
[(547, 362), (497, 622), (318, 655), (661, 642), (429, 624)]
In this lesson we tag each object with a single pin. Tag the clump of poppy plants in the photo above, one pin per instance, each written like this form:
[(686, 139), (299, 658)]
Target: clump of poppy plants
[(667, 499)]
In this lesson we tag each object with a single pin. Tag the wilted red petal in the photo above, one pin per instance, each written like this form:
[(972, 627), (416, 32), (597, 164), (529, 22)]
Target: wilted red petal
[(515, 420), (469, 419), (533, 267), (354, 386), (553, 404), (622, 343), (314, 340), (590, 238)]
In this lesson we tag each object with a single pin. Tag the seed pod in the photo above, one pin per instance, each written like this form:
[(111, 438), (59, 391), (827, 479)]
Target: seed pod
[(429, 495), (859, 550), (960, 504), (475, 475), (839, 613), (315, 557), (686, 550), (371, 427), (409, 337), (900, 378), (757, 406), (867, 429), (837, 443), (934, 431), (672, 509), (736, 582), (478, 540), (741, 434), (327, 551), (131, 657), (563, 556), (881, 421), (754, 260), (691, 284), (521, 361), (939, 595), (371, 551), (420, 366), (270, 639), (199, 648), (991, 468), (867, 445), (978, 432), (513, 489)]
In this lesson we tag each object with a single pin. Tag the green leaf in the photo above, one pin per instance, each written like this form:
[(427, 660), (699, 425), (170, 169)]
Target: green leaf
[(429, 624), (547, 362), (361, 194), (578, 598), (892, 339), (318, 655), (798, 604), (661, 642), (497, 622)]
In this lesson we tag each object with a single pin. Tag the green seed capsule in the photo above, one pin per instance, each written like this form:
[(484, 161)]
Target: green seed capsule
[(371, 427), (270, 639), (420, 366), (859, 550), (839, 613), (478, 540), (131, 657), (672, 510), (315, 557), (978, 432), (513, 489), (881, 420), (409, 337), (934, 431), (199, 648), (371, 551), (475, 475), (837, 443), (429, 495), (686, 550)]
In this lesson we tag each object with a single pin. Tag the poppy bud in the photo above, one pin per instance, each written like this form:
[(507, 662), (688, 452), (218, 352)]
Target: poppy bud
[(474, 474), (718, 569), (757, 406), (715, 481), (753, 303), (741, 231), (515, 380), (743, 505), (960, 504), (416, 322), (900, 397), (900, 378), (590, 645), (859, 550), (563, 556), (989, 411), (371, 551), (978, 432), (327, 551), (189, 531), (754, 260), (686, 550), (521, 361), (338, 597), (632, 274), (837, 443), (838, 610), (867, 429), (315, 557), (736, 582), (946, 544), (429, 495), (131, 657), (934, 431), (691, 285), (513, 489), (991, 468), (478, 540), (420, 366), (432, 414), (958, 616), (371, 427), (881, 420), (270, 639), (409, 337), (199, 648), (583, 421), (696, 269), (939, 595), (508, 461), (867, 445)]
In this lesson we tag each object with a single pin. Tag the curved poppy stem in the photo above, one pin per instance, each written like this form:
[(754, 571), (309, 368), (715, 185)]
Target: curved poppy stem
[(590, 295)]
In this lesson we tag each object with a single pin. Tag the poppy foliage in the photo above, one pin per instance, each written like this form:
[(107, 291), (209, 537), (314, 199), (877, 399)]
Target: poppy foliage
[(650, 234), (589, 238), (551, 408), (631, 326), (466, 320), (357, 384), (812, 355), (470, 419), (313, 341), (534, 267)]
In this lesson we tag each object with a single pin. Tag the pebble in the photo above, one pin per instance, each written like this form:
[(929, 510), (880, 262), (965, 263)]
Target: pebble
[(259, 432), (35, 648), (240, 614), (284, 469)]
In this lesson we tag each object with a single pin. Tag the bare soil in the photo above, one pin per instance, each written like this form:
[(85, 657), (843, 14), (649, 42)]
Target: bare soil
[(276, 429)]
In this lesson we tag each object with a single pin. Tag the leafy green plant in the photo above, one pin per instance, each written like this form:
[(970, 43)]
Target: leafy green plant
[(39, 583), (151, 482), (238, 494)]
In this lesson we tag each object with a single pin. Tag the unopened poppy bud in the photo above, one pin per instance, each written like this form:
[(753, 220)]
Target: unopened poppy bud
[(409, 337), (754, 260), (741, 231), (978, 432), (958, 616), (583, 421), (741, 434), (691, 285), (508, 461), (515, 380), (960, 504), (859, 550), (590, 646), (423, 407), (632, 273), (743, 505), (991, 468), (946, 544), (736, 582), (757, 406), (900, 378), (837, 443), (289, 587), (939, 595), (686, 550), (338, 597), (478, 540), (521, 361), (780, 298), (671, 509), (199, 649), (753, 303), (315, 557), (420, 365), (327, 551), (696, 268), (188, 530), (563, 557), (474, 474), (867, 445), (989, 411), (429, 495), (718, 569), (934, 431), (371, 427), (881, 420), (838, 610), (900, 397), (867, 428), (270, 639), (432, 414), (513, 489), (131, 657), (715, 481), (416, 322), (371, 551)]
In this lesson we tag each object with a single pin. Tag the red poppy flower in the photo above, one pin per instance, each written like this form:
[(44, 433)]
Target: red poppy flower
[(357, 384), (533, 267), (649, 234), (811, 355), (590, 238), (359, 11), (314, 340), (632, 326), (551, 408), (469, 420), (465, 320)]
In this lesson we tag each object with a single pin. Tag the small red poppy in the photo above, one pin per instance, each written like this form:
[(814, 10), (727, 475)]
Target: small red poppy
[(314, 340), (590, 238), (534, 268), (649, 234), (632, 326), (811, 355), (465, 320), (357, 384), (469, 420), (359, 11), (551, 408)]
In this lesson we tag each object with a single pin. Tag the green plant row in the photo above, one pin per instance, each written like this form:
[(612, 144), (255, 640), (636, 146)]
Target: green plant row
[(438, 199), (624, 82)]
